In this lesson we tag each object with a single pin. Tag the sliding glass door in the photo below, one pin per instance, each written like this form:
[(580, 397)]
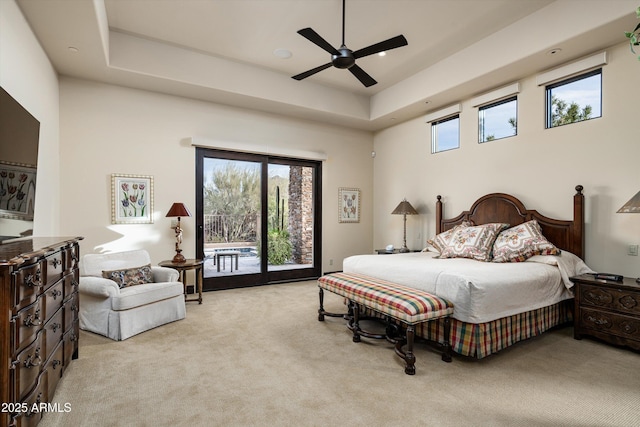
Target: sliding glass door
[(257, 218)]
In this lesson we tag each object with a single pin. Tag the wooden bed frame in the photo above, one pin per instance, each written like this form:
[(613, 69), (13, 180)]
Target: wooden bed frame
[(478, 340), (500, 207)]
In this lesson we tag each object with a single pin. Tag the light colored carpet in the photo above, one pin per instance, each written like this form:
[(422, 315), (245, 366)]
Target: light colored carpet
[(258, 356)]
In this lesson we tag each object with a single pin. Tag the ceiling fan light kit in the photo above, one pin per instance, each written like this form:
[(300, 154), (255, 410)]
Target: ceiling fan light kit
[(345, 58)]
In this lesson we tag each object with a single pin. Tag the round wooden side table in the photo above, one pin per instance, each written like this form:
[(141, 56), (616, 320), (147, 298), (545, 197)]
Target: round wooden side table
[(183, 267)]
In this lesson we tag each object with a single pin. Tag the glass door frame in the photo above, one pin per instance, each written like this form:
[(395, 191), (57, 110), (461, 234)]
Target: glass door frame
[(265, 277)]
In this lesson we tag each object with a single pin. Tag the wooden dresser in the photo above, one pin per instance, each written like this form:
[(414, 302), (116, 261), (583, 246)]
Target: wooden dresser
[(607, 310), (39, 327)]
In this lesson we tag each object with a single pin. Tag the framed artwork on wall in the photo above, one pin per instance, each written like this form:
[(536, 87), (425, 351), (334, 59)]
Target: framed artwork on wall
[(131, 199), (17, 190), (348, 205)]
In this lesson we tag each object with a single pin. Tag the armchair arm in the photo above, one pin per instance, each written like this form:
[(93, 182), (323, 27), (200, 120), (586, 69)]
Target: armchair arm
[(164, 274), (98, 286)]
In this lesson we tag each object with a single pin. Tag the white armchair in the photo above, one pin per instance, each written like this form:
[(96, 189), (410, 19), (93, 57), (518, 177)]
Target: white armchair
[(120, 313)]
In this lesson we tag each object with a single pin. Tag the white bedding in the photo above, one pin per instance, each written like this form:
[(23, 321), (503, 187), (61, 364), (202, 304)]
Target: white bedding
[(480, 291)]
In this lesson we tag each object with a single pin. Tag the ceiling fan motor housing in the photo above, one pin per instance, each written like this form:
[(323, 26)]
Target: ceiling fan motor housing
[(344, 60)]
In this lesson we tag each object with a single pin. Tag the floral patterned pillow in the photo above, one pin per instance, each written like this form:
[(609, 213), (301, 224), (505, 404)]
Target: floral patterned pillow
[(475, 242), (130, 276), (521, 242), (440, 241)]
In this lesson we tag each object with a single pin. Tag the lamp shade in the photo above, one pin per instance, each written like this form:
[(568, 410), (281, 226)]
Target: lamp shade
[(178, 209), (404, 208), (632, 206)]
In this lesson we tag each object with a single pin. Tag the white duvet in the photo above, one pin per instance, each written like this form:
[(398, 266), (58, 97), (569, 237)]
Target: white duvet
[(480, 291)]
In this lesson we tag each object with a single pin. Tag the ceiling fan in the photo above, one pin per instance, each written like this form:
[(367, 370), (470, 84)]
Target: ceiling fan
[(345, 57)]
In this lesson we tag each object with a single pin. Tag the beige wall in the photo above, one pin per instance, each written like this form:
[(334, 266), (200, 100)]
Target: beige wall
[(100, 129), (539, 166), (27, 75), (109, 129)]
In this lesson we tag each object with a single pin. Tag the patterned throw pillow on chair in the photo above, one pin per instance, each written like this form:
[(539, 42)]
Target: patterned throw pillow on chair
[(473, 242), (130, 276), (521, 242)]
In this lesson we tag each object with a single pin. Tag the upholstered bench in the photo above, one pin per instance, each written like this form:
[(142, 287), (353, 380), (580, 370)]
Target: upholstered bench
[(406, 305)]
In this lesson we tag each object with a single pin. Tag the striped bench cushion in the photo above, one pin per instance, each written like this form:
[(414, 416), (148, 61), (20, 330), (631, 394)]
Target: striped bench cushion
[(402, 303)]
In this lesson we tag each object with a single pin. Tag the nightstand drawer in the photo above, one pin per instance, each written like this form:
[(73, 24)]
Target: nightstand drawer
[(625, 301), (626, 327)]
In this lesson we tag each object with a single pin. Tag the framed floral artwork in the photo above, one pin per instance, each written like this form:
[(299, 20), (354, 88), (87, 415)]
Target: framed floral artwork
[(132, 199), (17, 190), (349, 205)]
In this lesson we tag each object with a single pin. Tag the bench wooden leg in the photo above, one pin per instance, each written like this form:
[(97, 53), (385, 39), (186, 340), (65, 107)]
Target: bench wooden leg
[(321, 309), (322, 312), (409, 358), (446, 345), (355, 326)]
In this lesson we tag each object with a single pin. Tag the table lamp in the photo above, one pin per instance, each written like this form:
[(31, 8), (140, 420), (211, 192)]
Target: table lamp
[(404, 209), (178, 210), (632, 206)]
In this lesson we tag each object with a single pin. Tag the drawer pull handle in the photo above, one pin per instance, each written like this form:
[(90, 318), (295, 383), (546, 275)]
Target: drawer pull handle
[(33, 320), (34, 360), (33, 279), (56, 262), (56, 363), (56, 326), (598, 321), (38, 401), (56, 293)]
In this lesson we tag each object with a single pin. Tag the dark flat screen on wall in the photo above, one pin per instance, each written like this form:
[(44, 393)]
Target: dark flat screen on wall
[(19, 137)]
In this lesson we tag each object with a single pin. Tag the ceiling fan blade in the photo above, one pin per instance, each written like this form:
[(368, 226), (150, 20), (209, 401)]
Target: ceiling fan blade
[(311, 72), (315, 38), (361, 75), (392, 43)]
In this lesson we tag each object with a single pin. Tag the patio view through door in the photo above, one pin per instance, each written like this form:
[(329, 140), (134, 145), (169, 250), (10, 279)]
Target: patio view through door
[(240, 199)]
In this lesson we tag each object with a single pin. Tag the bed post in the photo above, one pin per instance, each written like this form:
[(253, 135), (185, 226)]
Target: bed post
[(578, 222), (439, 215)]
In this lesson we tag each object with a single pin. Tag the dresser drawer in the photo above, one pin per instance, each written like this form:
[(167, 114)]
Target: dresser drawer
[(54, 268), (53, 299), (52, 334), (626, 301), (26, 324), (70, 311), (28, 285), (71, 257), (26, 368), (54, 369), (71, 282), (28, 418), (71, 343)]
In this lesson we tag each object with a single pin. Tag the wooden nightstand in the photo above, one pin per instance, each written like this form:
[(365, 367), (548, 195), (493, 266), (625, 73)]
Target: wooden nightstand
[(607, 310)]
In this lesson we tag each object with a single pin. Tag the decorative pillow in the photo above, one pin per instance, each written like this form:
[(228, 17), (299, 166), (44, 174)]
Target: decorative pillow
[(522, 242), (441, 241), (130, 276), (473, 242)]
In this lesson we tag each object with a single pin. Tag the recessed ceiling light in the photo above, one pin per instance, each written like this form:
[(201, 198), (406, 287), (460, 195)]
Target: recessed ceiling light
[(73, 49), (282, 53), (383, 53), (554, 51)]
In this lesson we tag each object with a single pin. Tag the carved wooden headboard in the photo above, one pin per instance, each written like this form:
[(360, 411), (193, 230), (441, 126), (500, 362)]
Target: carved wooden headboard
[(500, 207)]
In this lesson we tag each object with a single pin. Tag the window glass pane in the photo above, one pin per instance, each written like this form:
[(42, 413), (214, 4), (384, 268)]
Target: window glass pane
[(445, 134), (575, 100), (498, 120)]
